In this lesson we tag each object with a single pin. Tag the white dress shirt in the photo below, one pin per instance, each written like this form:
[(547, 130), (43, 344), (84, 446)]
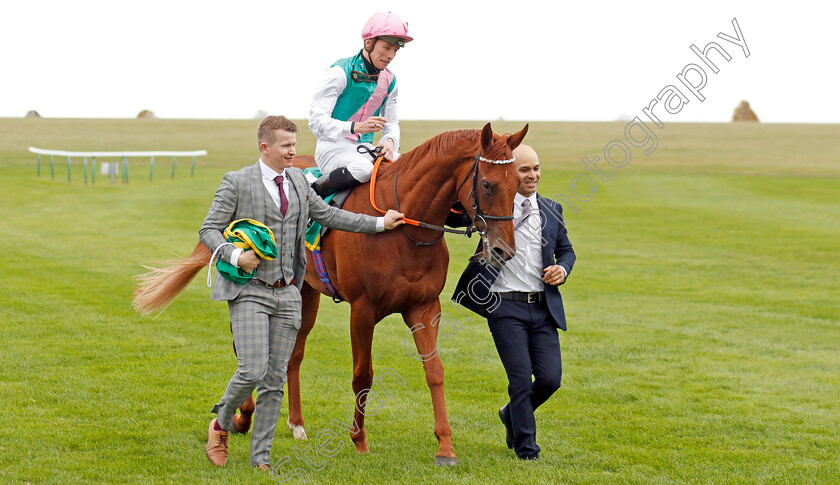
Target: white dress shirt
[(268, 176), (524, 272)]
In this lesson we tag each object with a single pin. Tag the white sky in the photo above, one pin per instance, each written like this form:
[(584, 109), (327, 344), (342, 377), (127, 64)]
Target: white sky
[(476, 60)]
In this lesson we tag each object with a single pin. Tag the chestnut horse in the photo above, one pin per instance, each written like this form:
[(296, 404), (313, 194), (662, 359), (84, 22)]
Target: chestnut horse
[(392, 272)]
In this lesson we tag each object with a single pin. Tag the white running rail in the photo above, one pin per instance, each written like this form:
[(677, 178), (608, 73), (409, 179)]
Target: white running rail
[(123, 155)]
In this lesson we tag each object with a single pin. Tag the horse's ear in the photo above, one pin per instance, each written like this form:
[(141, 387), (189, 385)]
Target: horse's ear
[(516, 139), (486, 137)]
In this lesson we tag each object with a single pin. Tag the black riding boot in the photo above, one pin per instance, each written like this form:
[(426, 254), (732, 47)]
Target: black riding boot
[(335, 181)]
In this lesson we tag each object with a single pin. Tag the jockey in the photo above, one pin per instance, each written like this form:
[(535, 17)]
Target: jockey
[(356, 98)]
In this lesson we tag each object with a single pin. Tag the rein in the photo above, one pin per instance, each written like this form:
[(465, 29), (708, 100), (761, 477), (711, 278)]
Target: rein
[(473, 193)]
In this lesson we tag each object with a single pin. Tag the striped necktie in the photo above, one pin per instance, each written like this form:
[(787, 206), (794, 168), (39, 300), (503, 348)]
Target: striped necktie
[(526, 211)]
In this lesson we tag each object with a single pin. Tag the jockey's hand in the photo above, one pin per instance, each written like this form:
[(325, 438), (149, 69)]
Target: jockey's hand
[(248, 260), (370, 125), (393, 219), (388, 149)]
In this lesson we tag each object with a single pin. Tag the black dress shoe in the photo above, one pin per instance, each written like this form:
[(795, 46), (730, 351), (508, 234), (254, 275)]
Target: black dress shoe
[(530, 457), (503, 415)]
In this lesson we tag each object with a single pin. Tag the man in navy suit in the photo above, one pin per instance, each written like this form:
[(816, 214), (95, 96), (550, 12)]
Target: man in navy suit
[(523, 305)]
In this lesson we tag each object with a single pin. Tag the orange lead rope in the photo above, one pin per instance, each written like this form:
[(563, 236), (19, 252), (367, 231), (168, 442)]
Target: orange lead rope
[(425, 225), (378, 161)]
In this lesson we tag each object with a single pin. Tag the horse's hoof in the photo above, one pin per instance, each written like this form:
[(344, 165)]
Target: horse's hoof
[(297, 431), (362, 447), (446, 461), (241, 424)]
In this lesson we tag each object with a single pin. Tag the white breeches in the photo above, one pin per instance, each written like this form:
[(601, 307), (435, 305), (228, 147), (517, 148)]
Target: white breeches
[(333, 155)]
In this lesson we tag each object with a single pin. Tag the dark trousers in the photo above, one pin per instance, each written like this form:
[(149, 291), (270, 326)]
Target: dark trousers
[(527, 342)]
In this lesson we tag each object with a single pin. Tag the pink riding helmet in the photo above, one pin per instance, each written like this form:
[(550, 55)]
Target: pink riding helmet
[(386, 24)]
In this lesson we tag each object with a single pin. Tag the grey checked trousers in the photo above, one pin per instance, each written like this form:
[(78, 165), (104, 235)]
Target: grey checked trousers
[(265, 322)]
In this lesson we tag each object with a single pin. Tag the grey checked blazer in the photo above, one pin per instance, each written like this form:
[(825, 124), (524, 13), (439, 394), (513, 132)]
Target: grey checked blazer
[(242, 195)]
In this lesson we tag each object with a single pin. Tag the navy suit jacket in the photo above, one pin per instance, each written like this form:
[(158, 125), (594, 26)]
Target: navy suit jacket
[(473, 289)]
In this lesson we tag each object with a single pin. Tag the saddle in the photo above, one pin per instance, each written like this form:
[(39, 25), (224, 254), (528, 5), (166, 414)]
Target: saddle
[(315, 232)]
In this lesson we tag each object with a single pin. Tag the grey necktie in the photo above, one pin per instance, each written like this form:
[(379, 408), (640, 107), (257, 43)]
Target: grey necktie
[(526, 211)]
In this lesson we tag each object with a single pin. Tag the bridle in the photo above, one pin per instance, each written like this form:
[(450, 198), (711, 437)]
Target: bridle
[(479, 214), (473, 194)]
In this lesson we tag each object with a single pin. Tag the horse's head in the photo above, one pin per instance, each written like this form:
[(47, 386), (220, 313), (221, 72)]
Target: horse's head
[(487, 193)]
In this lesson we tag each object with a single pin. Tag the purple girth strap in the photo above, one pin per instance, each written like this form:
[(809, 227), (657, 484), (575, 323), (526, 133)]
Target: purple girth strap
[(321, 269)]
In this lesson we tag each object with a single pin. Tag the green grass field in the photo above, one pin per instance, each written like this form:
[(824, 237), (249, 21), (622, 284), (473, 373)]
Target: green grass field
[(704, 319)]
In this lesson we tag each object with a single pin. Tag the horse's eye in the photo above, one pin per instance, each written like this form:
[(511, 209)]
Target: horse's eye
[(487, 185)]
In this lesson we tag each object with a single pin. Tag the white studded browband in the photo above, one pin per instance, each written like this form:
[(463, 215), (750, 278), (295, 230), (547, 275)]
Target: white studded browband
[(498, 162)]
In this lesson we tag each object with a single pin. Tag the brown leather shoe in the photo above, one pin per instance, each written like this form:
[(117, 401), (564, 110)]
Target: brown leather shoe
[(217, 445), (265, 467)]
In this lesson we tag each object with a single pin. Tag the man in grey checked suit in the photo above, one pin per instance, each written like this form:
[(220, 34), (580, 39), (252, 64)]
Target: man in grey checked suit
[(265, 313)]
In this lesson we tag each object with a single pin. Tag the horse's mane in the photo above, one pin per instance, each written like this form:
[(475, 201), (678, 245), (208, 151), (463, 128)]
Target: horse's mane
[(439, 147)]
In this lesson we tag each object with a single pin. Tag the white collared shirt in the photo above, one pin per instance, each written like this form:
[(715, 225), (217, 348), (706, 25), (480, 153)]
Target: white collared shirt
[(268, 176), (524, 272)]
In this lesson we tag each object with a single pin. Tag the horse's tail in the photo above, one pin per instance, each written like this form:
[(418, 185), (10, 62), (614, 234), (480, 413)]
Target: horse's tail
[(159, 287)]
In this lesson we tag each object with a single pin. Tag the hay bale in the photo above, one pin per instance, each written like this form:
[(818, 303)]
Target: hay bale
[(744, 113), (32, 114), (146, 114)]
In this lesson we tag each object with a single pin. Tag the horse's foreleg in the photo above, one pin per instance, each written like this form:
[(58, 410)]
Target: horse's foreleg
[(424, 323), (362, 322), (310, 300)]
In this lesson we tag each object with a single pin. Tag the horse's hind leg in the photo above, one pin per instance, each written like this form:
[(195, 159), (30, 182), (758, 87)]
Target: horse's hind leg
[(362, 322), (311, 299), (423, 323), (242, 421)]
